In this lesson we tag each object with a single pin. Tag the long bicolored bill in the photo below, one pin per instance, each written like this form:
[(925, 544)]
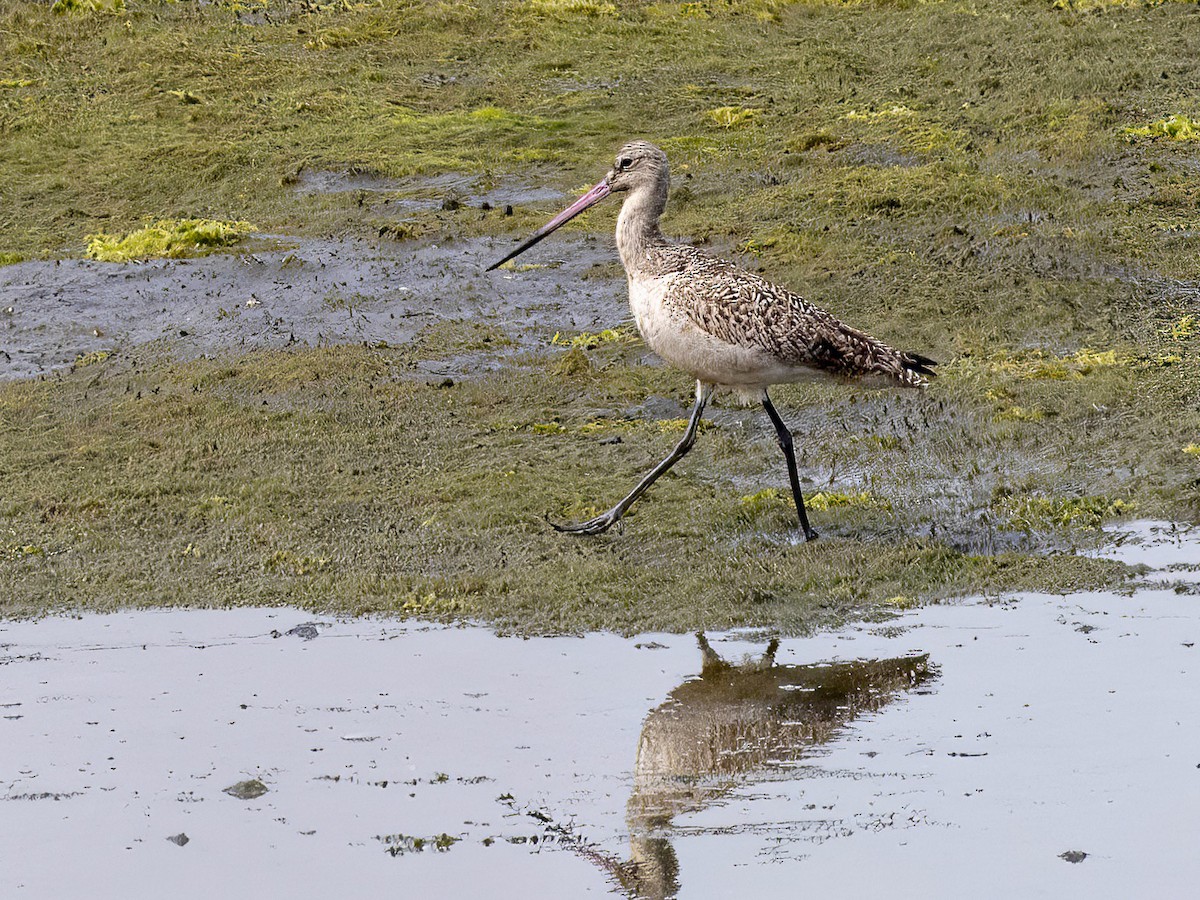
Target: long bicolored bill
[(595, 195)]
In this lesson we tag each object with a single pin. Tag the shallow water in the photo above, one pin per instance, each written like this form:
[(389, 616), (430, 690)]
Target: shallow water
[(969, 748), (311, 292)]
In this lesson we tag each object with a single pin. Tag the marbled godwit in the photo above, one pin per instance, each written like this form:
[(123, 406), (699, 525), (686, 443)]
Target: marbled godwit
[(726, 327)]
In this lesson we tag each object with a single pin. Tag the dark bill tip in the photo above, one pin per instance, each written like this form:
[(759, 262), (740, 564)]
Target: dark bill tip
[(595, 195)]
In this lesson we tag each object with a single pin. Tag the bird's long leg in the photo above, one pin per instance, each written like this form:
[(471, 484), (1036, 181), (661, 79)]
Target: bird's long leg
[(785, 444), (604, 522)]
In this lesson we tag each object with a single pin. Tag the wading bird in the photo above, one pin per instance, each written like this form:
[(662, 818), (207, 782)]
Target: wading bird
[(726, 327)]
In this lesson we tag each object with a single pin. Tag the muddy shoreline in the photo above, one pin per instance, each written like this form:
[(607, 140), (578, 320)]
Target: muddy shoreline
[(292, 291)]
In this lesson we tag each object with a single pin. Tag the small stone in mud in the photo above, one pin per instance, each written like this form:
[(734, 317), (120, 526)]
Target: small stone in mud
[(308, 631), (247, 790), (612, 439), (1073, 856), (178, 839)]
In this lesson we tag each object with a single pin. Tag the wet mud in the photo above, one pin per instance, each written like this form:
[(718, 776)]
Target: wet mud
[(400, 195), (310, 292), (1038, 746)]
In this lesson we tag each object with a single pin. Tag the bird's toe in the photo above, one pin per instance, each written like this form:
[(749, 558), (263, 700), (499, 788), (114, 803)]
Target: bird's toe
[(598, 525)]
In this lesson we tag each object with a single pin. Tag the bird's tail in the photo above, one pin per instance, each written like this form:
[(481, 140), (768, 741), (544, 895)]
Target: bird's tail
[(916, 369), (858, 355)]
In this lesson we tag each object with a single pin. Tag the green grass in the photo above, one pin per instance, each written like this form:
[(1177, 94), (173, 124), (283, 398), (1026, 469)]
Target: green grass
[(969, 180), (330, 479)]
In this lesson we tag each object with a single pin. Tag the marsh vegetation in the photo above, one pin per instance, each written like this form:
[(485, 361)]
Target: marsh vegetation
[(1010, 187)]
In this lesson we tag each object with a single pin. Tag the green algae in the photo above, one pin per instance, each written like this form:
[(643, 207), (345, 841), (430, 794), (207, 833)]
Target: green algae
[(573, 8), (1040, 364), (732, 116), (168, 239), (587, 340), (823, 500), (1183, 329), (90, 359), (1039, 512), (401, 844), (1177, 127), (88, 6)]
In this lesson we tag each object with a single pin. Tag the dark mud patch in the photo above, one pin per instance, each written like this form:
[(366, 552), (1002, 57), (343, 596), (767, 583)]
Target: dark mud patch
[(313, 292)]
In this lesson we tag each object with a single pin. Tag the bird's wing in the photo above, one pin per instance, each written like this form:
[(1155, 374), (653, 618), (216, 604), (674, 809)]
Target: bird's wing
[(744, 309)]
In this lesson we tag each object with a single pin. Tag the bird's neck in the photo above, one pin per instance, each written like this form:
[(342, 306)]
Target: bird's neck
[(637, 225)]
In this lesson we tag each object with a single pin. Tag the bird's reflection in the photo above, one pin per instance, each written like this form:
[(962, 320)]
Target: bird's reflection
[(733, 724)]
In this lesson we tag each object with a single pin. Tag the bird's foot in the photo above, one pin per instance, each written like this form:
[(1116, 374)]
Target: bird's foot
[(598, 525), (810, 534)]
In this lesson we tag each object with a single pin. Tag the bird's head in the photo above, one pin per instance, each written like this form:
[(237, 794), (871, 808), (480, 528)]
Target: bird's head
[(638, 164)]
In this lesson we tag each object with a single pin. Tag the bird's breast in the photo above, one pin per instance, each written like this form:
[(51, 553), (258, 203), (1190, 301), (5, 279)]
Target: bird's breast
[(650, 312), (677, 337)]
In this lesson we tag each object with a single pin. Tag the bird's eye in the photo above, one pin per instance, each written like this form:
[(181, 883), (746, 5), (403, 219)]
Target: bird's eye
[(624, 163)]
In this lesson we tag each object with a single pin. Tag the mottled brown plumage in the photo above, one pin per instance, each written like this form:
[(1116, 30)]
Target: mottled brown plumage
[(673, 285), (727, 327), (744, 309)]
